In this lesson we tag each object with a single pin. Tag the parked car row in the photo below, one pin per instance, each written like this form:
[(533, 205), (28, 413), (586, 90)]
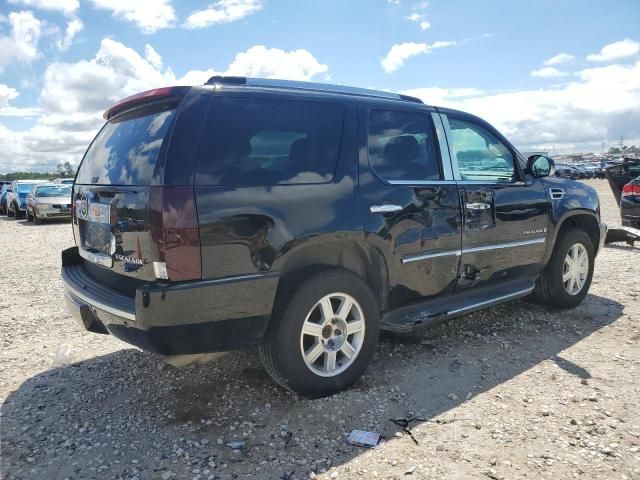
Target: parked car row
[(36, 200), (579, 171)]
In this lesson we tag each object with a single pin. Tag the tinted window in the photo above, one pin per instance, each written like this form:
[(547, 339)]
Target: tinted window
[(126, 149), (401, 146), (257, 141), (481, 156)]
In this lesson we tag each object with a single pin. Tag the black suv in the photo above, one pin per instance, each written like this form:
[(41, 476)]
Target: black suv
[(302, 218)]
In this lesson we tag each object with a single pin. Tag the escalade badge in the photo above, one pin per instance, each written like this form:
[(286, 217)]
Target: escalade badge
[(137, 261), (537, 230)]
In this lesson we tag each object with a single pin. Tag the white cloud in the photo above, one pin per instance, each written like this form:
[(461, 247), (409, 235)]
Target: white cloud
[(443, 96), (601, 105), (559, 59), (152, 56), (68, 7), (400, 52), (223, 11), (74, 26), (419, 19), (7, 94), (616, 50), (75, 95), (548, 72), (148, 15), (21, 45), (260, 61)]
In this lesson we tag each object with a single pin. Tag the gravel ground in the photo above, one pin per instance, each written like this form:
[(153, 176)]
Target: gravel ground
[(512, 392)]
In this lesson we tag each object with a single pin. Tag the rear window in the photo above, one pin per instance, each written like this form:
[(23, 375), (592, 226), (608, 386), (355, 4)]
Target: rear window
[(126, 149), (54, 191), (257, 141)]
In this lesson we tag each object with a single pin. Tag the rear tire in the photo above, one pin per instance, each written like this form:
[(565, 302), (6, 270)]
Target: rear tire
[(322, 336), (567, 277)]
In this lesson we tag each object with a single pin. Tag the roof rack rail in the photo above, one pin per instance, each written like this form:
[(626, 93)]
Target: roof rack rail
[(312, 86)]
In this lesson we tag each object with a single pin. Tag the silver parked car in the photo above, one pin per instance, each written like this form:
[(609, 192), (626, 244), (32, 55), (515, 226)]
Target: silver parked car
[(16, 198), (48, 201)]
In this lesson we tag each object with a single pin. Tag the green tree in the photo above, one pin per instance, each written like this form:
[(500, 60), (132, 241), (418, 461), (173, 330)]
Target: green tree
[(65, 170), (614, 151)]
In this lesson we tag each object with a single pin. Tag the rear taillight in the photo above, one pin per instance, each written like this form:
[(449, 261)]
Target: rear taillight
[(631, 189), (175, 233)]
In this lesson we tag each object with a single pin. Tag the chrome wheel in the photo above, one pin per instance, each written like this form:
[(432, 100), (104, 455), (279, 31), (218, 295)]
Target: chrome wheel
[(576, 269), (332, 334)]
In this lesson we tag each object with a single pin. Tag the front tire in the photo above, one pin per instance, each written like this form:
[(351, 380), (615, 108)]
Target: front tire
[(567, 277), (322, 336)]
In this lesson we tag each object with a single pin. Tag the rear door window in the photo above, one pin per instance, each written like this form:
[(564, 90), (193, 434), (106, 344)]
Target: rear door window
[(259, 141), (402, 147), (126, 149)]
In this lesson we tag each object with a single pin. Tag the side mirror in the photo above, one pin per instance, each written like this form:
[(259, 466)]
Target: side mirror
[(540, 166)]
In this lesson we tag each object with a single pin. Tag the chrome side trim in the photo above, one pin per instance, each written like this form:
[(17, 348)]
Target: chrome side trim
[(99, 305), (519, 293), (490, 182), (99, 258), (452, 153), (447, 253), (421, 182), (496, 246), (444, 148), (426, 256)]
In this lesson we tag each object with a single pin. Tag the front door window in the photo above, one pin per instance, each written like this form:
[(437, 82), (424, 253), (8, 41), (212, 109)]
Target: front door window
[(481, 156)]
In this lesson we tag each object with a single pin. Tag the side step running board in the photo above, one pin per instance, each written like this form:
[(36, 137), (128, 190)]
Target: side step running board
[(415, 317)]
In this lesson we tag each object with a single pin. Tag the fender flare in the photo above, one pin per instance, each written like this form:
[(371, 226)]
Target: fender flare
[(553, 234)]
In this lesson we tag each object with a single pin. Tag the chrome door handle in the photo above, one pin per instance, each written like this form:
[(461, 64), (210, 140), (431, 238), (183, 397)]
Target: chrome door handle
[(477, 206), (384, 208)]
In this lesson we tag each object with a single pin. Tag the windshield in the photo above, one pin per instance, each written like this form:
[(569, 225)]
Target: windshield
[(126, 149), (53, 191), (24, 187)]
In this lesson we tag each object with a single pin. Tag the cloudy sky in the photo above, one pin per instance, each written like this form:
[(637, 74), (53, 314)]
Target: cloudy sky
[(550, 74)]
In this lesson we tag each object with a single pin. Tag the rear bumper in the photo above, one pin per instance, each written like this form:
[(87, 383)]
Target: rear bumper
[(183, 318), (630, 211)]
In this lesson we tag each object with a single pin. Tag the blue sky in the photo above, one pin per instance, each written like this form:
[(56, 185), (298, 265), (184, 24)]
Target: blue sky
[(553, 75)]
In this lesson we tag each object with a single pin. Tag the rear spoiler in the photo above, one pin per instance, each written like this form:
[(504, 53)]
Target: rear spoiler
[(144, 97)]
